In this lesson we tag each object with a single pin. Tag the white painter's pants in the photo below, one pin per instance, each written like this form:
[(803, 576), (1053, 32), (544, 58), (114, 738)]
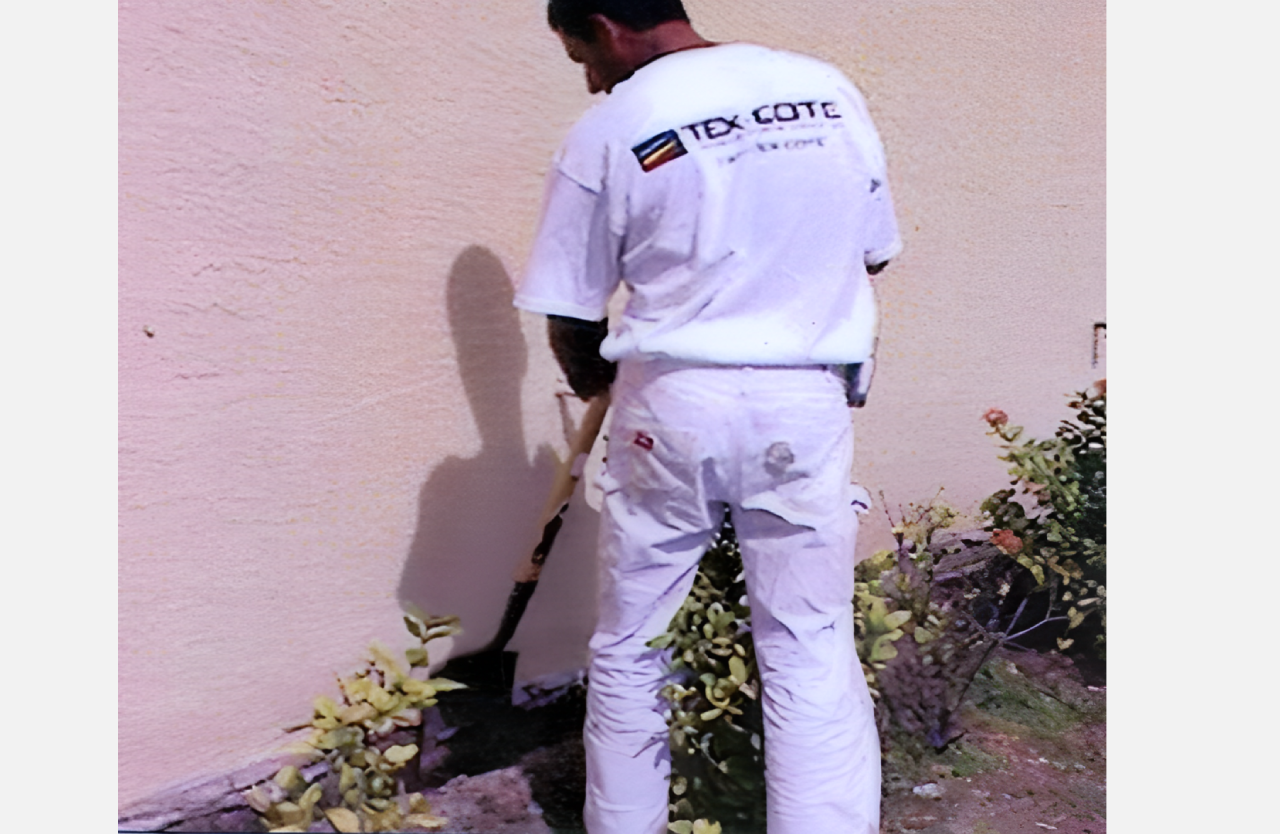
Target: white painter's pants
[(775, 445)]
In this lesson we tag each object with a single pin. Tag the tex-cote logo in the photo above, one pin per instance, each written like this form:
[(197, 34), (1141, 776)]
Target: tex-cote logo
[(661, 149)]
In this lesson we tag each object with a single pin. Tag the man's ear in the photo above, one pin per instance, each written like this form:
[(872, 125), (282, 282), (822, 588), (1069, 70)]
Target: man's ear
[(605, 32)]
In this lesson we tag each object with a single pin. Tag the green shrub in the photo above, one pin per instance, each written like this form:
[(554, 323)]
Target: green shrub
[(357, 747), (928, 615), (716, 725), (1053, 519), (918, 642)]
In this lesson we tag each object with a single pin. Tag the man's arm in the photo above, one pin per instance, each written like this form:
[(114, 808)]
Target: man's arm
[(576, 345)]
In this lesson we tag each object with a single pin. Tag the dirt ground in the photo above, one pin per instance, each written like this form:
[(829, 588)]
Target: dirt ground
[(1032, 759)]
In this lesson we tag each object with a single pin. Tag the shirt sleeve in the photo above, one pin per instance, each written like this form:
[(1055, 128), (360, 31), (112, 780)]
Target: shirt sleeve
[(883, 240), (880, 234), (573, 267)]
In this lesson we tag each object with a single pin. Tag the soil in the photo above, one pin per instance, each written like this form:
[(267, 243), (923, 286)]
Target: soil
[(1032, 759)]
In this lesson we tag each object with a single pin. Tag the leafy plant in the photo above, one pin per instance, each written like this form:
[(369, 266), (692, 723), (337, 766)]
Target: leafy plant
[(1052, 521), (694, 827), (715, 720), (928, 615), (358, 746), (918, 644)]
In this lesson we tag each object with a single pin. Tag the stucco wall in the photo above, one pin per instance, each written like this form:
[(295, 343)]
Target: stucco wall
[(327, 403)]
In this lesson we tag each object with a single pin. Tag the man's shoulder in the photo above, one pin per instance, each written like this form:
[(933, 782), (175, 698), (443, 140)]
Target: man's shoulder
[(738, 55), (803, 64), (603, 120), (778, 59), (684, 85)]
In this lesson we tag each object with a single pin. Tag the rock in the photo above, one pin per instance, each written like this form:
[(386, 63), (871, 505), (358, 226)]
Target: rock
[(201, 798), (315, 771), (498, 802), (235, 820), (929, 790), (546, 689)]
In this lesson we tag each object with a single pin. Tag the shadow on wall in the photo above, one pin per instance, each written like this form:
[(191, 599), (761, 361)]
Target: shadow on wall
[(477, 516)]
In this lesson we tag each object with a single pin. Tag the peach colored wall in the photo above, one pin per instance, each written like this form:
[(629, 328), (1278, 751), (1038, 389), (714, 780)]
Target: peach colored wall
[(326, 402)]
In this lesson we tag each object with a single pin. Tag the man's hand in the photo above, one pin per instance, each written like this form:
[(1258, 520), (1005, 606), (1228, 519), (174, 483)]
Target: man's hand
[(576, 345)]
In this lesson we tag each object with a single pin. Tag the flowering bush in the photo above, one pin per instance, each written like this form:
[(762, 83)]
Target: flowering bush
[(1006, 541), (1053, 519)]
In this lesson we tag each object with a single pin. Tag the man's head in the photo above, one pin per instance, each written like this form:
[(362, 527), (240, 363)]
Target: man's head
[(573, 17), (611, 38)]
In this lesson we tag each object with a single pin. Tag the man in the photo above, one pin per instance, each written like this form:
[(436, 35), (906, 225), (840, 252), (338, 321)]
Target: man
[(740, 195)]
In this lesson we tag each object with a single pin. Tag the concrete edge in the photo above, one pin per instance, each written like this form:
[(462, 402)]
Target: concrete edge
[(202, 795)]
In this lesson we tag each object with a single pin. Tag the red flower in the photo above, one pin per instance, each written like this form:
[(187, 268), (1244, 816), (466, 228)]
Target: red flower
[(995, 417), (1006, 541)]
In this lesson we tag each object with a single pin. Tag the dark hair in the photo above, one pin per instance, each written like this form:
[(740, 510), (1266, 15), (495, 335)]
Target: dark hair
[(572, 16)]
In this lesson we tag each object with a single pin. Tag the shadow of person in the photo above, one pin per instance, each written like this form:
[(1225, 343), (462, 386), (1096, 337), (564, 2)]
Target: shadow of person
[(478, 517)]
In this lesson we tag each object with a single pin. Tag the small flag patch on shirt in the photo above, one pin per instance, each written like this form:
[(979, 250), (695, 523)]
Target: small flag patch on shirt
[(659, 150)]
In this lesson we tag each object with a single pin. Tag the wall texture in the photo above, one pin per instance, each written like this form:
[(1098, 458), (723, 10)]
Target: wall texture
[(328, 406)]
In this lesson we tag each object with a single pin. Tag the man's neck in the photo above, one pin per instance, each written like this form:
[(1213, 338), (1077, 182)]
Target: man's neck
[(663, 39)]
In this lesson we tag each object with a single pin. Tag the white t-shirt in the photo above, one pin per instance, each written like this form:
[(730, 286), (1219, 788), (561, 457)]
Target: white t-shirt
[(739, 192)]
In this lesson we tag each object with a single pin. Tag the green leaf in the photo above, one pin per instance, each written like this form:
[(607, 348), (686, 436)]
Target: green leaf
[(289, 778), (416, 627), (445, 685), (343, 819), (258, 799), (417, 657), (738, 669), (309, 798), (356, 713), (897, 619), (290, 813), (436, 632), (426, 821), (681, 827), (325, 707), (399, 754), (883, 648), (334, 739), (384, 660), (383, 700), (1036, 570)]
